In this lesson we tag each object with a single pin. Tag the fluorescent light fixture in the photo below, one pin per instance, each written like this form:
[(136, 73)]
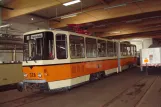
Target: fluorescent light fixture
[(134, 21), (68, 16), (120, 5), (72, 2), (137, 39), (123, 4), (115, 32), (7, 25)]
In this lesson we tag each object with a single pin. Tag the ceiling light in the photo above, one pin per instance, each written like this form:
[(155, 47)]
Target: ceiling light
[(123, 4), (120, 5), (72, 2), (134, 21), (137, 39), (32, 18), (115, 32), (68, 16)]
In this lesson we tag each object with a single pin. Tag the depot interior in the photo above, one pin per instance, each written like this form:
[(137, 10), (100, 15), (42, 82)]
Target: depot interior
[(136, 21)]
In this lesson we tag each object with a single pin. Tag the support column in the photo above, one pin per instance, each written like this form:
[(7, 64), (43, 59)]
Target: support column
[(1, 12), (118, 56), (14, 54)]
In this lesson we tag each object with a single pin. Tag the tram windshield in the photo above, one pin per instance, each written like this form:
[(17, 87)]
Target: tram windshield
[(39, 46)]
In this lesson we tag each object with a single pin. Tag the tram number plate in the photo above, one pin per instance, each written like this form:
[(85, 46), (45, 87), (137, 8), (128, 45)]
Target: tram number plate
[(32, 75)]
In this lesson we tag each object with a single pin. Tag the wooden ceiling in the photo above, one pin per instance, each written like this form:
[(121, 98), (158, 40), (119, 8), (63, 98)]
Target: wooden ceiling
[(112, 19), (132, 20)]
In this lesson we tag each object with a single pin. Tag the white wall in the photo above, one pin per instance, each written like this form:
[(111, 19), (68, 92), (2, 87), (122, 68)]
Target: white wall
[(19, 56), (140, 43), (147, 43), (7, 55)]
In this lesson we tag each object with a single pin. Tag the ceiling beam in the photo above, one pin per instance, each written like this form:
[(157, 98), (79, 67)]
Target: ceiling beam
[(39, 16), (4, 7), (121, 22), (150, 34), (129, 31), (103, 1), (98, 13), (22, 7)]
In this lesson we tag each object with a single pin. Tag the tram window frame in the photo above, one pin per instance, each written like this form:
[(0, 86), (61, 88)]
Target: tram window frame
[(61, 39), (110, 50), (92, 42), (100, 44), (81, 44), (51, 54), (32, 43)]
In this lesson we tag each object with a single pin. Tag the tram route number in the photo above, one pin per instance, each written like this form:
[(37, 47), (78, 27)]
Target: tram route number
[(32, 75)]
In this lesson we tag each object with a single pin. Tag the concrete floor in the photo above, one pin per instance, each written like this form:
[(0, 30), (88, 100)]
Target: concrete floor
[(131, 88)]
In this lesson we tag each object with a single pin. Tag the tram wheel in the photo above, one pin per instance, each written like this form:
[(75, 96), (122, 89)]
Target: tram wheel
[(97, 76)]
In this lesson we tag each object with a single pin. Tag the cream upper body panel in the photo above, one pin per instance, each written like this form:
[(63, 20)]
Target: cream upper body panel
[(68, 60)]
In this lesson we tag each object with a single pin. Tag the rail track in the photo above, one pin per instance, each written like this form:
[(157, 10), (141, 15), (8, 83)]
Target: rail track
[(132, 95), (25, 100), (129, 96)]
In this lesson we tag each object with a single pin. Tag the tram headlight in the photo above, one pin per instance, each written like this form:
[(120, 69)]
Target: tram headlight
[(39, 75), (25, 75)]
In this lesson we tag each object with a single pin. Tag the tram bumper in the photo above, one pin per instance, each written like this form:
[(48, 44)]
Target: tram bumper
[(35, 85)]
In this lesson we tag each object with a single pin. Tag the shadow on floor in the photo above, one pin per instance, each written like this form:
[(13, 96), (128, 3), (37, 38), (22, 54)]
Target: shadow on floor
[(154, 71)]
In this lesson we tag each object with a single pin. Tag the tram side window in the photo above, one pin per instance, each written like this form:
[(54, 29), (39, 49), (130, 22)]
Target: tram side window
[(48, 47), (91, 47), (124, 50), (135, 50), (129, 50), (115, 49), (76, 46), (121, 49), (61, 46), (101, 44), (132, 50), (110, 50)]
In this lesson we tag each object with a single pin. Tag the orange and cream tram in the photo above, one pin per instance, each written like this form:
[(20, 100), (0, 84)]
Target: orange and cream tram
[(56, 59)]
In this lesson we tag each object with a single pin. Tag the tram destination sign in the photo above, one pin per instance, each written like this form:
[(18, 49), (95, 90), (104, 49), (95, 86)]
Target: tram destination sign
[(36, 36)]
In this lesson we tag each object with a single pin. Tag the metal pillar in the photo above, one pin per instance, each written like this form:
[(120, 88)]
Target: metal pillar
[(118, 56), (14, 54), (1, 2)]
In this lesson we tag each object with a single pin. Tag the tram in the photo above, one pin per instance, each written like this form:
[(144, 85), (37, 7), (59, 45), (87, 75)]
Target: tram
[(55, 59), (11, 76)]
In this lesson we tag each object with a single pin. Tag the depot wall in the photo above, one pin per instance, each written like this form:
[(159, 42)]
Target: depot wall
[(142, 43), (7, 55)]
